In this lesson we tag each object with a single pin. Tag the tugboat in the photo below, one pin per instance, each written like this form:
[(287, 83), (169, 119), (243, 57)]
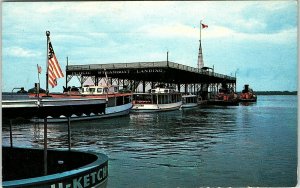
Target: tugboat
[(247, 95), (225, 97), (156, 100)]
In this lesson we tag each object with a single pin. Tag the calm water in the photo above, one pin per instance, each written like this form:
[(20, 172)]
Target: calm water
[(252, 145)]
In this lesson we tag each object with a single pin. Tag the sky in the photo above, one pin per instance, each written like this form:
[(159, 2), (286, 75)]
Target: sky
[(254, 40)]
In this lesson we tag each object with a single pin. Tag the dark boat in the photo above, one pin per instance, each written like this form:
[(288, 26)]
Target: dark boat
[(22, 105), (22, 167), (247, 95), (118, 103), (225, 97)]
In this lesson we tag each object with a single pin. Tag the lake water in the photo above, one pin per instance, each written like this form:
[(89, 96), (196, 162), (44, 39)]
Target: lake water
[(253, 145)]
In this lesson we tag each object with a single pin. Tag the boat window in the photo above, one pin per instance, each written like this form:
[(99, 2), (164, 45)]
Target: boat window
[(92, 90), (142, 99), (82, 90), (153, 91), (115, 89), (87, 90), (154, 99), (166, 91), (111, 102), (178, 98), (105, 90), (99, 90), (127, 99), (120, 101)]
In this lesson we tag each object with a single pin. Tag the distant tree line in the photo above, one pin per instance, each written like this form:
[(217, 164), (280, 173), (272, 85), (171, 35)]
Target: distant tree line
[(276, 92)]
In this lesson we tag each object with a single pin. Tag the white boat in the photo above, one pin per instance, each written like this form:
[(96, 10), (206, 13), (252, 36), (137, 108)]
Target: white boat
[(156, 100), (189, 101), (117, 103)]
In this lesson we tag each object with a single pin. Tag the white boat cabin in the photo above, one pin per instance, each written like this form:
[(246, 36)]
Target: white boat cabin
[(162, 90), (99, 90)]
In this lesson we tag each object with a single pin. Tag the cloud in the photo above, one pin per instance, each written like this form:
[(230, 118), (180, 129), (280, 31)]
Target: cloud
[(216, 32), (19, 52), (169, 31)]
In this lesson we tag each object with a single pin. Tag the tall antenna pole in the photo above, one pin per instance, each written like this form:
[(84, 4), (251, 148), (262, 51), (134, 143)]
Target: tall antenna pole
[(47, 62), (168, 58), (200, 30), (200, 57)]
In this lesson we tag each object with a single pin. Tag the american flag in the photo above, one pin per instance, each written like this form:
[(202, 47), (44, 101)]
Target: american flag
[(54, 70)]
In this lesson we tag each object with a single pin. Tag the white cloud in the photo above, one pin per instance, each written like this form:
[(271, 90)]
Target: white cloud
[(251, 24), (172, 30), (217, 32), (19, 52)]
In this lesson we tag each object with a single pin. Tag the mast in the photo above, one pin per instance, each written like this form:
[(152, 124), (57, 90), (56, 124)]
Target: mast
[(200, 56), (168, 58), (47, 62), (66, 72)]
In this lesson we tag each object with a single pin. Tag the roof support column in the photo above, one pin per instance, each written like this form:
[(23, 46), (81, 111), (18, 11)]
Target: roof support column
[(144, 86)]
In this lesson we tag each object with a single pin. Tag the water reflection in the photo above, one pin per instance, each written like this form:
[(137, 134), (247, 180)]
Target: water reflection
[(145, 135)]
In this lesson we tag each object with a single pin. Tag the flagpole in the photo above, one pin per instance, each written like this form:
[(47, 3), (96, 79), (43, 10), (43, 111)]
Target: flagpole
[(200, 29), (200, 48), (66, 72), (38, 88), (47, 62)]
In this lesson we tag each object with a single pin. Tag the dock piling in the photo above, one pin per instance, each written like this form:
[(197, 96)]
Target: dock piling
[(45, 147), (69, 134), (10, 133)]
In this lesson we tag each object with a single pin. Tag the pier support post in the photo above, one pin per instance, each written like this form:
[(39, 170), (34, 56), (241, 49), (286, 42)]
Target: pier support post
[(45, 147), (69, 134), (178, 86), (144, 87), (10, 134)]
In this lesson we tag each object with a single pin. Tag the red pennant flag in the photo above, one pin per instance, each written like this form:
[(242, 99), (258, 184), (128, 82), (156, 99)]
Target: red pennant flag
[(204, 26)]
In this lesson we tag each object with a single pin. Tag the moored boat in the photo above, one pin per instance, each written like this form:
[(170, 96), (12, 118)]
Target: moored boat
[(225, 97), (117, 103), (22, 168), (156, 100), (24, 105), (247, 95), (189, 101)]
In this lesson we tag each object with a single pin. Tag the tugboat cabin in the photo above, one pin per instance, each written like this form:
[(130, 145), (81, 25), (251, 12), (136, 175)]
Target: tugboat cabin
[(157, 96)]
